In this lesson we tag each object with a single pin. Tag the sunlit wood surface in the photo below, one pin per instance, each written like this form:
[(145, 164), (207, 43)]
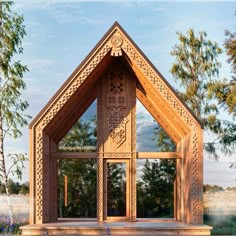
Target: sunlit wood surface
[(117, 228)]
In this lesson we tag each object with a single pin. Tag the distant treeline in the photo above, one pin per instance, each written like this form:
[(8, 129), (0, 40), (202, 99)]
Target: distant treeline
[(216, 188), (15, 187)]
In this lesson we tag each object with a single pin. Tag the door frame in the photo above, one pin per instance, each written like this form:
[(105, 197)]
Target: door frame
[(128, 184)]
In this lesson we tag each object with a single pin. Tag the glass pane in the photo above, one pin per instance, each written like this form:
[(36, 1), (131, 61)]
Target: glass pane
[(150, 135), (77, 188), (155, 188), (116, 189), (82, 137)]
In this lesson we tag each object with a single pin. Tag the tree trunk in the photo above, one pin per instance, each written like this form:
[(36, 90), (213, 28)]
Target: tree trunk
[(3, 171)]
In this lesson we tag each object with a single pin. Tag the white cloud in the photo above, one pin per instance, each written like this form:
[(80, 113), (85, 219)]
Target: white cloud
[(25, 5), (161, 9), (62, 12), (38, 63)]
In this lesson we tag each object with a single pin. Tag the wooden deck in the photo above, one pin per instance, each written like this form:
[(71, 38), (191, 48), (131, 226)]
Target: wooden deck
[(116, 228)]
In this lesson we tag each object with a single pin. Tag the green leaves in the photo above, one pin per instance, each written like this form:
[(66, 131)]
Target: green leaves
[(195, 65), (11, 72), (196, 70), (12, 108), (163, 141), (81, 136), (156, 189), (17, 164)]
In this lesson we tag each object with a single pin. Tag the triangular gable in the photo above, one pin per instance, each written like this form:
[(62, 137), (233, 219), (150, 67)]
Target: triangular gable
[(116, 42), (152, 90)]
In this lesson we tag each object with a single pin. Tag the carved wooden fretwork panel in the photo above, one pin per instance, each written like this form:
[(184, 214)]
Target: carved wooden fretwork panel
[(117, 91), (100, 190), (196, 201), (116, 104), (133, 190)]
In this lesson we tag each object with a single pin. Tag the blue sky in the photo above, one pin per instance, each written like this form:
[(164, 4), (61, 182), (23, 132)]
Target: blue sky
[(61, 34)]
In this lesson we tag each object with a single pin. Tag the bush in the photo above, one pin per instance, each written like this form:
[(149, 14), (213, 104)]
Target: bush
[(222, 225), (7, 228)]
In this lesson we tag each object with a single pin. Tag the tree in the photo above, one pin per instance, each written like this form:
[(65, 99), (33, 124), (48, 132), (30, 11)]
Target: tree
[(212, 188), (225, 93), (116, 189), (12, 106), (24, 188), (76, 175), (81, 187), (156, 189), (81, 136), (195, 69), (13, 187), (163, 141)]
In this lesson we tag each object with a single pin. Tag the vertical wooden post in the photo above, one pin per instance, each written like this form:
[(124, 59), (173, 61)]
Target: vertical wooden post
[(100, 202), (65, 190), (133, 190)]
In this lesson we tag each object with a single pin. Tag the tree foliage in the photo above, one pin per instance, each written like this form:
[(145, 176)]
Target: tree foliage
[(225, 92), (12, 107), (116, 189), (15, 187), (163, 141), (155, 189), (82, 136), (196, 70), (11, 72), (81, 185), (81, 174), (212, 188)]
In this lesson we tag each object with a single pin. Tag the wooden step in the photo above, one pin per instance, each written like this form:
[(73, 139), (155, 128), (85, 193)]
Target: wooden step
[(116, 228)]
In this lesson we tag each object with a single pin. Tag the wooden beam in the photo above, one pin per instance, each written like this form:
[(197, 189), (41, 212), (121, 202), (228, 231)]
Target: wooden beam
[(159, 155), (72, 115), (158, 116), (65, 190), (171, 117), (74, 155)]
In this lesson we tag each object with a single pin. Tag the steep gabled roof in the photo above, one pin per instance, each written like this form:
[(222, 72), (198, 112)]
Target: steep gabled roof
[(79, 90)]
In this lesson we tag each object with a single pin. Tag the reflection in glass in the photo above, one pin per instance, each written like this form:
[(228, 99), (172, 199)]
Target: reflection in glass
[(77, 184), (116, 189), (82, 137), (151, 137), (155, 188)]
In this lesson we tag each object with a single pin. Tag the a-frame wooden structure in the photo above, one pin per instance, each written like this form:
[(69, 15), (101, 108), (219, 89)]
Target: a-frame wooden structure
[(116, 58)]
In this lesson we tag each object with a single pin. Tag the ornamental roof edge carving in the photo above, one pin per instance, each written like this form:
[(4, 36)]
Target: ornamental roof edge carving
[(114, 42)]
